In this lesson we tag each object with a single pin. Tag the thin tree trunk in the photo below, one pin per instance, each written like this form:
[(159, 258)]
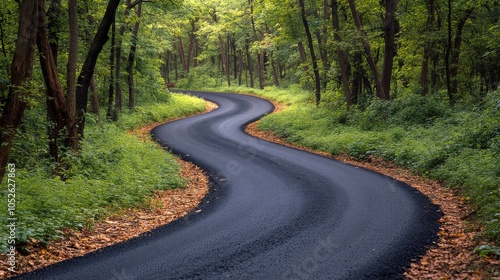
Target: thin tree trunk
[(275, 73), (261, 69), (455, 56), (447, 57), (176, 70), (427, 48), (54, 25), (240, 66), (111, 89), (118, 70), (390, 30), (311, 49), (366, 45), (343, 61), (180, 48), (55, 93), (249, 62), (131, 58), (224, 58), (72, 141), (88, 67), (21, 72)]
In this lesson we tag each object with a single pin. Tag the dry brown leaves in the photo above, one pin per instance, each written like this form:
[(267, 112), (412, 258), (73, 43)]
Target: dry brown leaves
[(452, 256), (165, 207)]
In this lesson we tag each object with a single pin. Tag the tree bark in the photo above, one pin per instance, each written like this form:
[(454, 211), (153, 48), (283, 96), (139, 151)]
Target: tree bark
[(225, 60), (249, 62), (21, 72), (317, 81), (390, 30), (447, 57), (111, 88), (182, 56), (455, 56), (428, 46), (369, 56), (273, 69), (54, 25), (72, 140), (343, 60), (261, 69), (131, 58), (55, 92), (118, 70), (88, 67)]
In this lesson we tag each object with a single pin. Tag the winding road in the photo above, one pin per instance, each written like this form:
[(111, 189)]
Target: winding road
[(273, 212)]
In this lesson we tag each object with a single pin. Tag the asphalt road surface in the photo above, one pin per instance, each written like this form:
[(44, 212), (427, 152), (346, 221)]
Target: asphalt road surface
[(272, 213)]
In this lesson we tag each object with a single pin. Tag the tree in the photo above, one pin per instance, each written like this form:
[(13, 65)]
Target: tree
[(368, 51), (131, 58), (341, 56), (72, 141), (390, 29), (87, 70), (21, 72), (317, 80)]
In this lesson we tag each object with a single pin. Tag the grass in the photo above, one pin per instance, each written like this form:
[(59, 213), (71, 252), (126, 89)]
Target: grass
[(115, 170), (457, 146)]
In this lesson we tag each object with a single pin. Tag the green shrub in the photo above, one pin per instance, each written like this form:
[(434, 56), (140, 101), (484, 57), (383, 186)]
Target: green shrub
[(114, 170)]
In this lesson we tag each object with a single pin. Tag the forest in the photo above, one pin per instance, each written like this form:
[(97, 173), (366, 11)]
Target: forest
[(411, 82)]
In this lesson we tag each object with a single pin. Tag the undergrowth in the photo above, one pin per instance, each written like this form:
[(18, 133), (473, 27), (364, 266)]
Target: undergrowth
[(114, 170), (458, 146)]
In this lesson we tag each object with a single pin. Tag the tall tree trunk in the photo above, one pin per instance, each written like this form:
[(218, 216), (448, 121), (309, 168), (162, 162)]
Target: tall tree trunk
[(176, 70), (118, 70), (455, 56), (249, 62), (21, 72), (369, 56), (341, 56), (261, 69), (235, 57), (311, 49), (182, 56), (273, 69), (72, 141), (88, 67), (302, 53), (428, 46), (131, 58), (390, 30), (55, 93), (451, 97), (240, 66), (54, 25), (225, 59), (111, 88)]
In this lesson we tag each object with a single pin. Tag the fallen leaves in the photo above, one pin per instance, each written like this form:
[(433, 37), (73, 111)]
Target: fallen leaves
[(452, 256), (165, 207)]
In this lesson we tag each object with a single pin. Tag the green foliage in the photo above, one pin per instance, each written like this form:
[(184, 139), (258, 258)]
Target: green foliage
[(457, 146), (200, 77), (114, 170)]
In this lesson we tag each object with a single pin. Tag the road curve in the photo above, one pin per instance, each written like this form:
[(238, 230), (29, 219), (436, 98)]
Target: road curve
[(273, 212)]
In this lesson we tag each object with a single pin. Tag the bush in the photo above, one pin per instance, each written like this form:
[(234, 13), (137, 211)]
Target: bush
[(114, 170)]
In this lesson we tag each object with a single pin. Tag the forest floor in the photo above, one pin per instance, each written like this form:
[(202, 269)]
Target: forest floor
[(451, 257)]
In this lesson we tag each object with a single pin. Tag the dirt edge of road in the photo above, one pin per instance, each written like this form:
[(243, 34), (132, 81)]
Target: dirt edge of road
[(450, 258)]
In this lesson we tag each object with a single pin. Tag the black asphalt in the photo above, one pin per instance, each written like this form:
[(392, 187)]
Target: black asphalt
[(272, 213)]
